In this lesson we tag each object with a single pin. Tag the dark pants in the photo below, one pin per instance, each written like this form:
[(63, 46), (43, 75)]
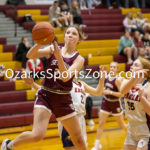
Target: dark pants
[(77, 20), (22, 58), (88, 106)]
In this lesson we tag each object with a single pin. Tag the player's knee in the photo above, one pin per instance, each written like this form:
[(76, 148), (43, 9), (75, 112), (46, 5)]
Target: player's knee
[(101, 124), (79, 139), (38, 136)]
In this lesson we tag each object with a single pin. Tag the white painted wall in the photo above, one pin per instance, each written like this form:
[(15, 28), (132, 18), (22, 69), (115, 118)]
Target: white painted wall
[(3, 2)]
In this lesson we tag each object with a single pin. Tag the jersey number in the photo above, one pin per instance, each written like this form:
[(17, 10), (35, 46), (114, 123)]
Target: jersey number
[(131, 106)]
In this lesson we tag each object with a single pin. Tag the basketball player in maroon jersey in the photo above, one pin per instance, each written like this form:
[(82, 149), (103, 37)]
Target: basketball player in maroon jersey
[(110, 103), (137, 105), (54, 95)]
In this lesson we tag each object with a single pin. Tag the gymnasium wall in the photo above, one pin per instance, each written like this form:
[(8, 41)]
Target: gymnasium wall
[(31, 2)]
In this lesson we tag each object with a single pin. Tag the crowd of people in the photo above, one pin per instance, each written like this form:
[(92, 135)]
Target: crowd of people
[(136, 39)]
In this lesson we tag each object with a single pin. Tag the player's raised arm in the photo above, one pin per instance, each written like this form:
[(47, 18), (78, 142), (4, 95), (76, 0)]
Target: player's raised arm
[(100, 87), (144, 95), (36, 52)]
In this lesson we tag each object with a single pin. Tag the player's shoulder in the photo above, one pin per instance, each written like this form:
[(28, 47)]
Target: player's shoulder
[(147, 87)]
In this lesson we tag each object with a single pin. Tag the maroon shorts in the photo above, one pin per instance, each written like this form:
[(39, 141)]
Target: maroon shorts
[(59, 104), (113, 107)]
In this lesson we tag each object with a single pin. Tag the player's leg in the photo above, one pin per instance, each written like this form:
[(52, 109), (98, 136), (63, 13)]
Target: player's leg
[(130, 142), (143, 144), (143, 148), (129, 147), (70, 148), (73, 127), (102, 119), (41, 119), (120, 120)]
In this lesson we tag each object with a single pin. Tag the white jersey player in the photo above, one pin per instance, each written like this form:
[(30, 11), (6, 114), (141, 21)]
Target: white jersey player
[(78, 97), (139, 120), (137, 103)]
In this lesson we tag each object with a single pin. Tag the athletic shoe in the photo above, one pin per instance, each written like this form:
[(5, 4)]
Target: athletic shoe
[(97, 148), (91, 122), (4, 144)]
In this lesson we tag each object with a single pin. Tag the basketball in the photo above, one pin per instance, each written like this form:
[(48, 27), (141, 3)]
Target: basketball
[(43, 33)]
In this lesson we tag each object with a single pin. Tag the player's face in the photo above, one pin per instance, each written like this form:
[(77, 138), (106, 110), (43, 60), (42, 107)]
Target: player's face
[(136, 65), (114, 68), (71, 36)]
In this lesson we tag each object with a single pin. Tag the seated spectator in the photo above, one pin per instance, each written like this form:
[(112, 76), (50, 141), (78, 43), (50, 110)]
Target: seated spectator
[(141, 22), (34, 65), (109, 3), (54, 15), (66, 14), (76, 13), (22, 50), (2, 72), (82, 4), (146, 42), (88, 107), (139, 44), (90, 3), (129, 22), (135, 3), (127, 47)]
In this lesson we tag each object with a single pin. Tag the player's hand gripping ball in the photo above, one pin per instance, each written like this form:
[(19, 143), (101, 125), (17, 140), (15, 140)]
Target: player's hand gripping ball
[(43, 33)]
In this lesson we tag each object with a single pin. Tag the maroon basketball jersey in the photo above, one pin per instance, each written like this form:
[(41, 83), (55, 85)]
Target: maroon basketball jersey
[(110, 85), (52, 68)]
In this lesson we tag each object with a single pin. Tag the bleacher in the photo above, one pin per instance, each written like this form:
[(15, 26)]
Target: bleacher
[(104, 28)]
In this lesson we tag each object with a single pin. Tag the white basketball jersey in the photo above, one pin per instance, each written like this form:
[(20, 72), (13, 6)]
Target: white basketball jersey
[(78, 97), (134, 110)]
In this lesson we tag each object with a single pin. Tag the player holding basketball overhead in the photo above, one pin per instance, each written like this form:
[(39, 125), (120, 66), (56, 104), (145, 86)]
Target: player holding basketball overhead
[(137, 104), (54, 96), (110, 103)]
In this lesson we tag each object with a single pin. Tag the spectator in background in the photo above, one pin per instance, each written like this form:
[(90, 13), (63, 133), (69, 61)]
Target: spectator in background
[(34, 65), (66, 14), (22, 50), (2, 72), (90, 3), (108, 2), (54, 15), (139, 44), (83, 4), (76, 12), (141, 22), (146, 42), (127, 47), (129, 22), (88, 107), (135, 3)]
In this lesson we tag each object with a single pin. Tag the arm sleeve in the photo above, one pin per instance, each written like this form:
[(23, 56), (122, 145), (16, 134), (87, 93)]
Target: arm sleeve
[(40, 67), (125, 23)]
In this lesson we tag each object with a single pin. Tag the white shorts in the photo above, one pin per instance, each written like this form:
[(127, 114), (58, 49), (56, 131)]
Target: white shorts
[(138, 135)]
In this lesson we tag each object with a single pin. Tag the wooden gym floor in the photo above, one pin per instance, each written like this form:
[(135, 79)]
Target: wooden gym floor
[(112, 139)]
